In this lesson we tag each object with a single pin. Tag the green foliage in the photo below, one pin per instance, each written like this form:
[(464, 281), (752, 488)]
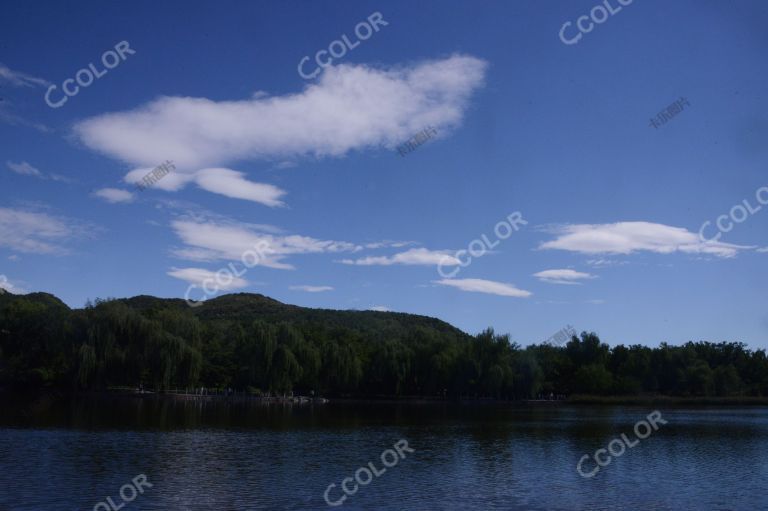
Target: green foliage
[(253, 343), (593, 379)]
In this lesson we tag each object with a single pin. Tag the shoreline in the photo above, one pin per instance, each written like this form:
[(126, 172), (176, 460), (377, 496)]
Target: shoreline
[(577, 399), (670, 400)]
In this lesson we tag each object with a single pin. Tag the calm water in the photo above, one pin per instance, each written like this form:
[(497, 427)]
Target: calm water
[(65, 455)]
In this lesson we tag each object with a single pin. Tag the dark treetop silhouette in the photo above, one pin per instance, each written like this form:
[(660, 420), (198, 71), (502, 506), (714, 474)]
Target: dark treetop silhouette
[(251, 342)]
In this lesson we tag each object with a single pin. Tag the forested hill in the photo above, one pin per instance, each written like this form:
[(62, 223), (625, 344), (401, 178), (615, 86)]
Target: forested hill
[(252, 342)]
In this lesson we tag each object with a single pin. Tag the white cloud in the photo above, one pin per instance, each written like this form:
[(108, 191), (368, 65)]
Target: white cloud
[(60, 178), (171, 182), (602, 262), (311, 289), (227, 182), (24, 169), (763, 249), (414, 256), (114, 195), (217, 240), (389, 243), (563, 276), (379, 308), (13, 288), (35, 233), (485, 286), (629, 237), (199, 276), (232, 184), (351, 107), (19, 79)]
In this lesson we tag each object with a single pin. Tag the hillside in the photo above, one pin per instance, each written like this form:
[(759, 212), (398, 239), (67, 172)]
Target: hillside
[(255, 343)]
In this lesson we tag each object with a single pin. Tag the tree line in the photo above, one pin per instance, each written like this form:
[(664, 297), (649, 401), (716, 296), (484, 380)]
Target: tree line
[(254, 344)]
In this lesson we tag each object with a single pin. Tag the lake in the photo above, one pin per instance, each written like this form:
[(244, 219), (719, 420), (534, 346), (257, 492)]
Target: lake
[(66, 454)]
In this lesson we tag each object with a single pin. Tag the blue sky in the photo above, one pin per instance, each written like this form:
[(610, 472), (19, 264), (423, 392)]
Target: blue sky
[(560, 133)]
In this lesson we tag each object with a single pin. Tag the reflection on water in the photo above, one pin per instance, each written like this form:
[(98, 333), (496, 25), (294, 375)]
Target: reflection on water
[(71, 454)]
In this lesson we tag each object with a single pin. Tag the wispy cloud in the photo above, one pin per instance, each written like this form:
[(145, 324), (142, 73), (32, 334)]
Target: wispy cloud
[(311, 289), (485, 286), (198, 276), (19, 79), (16, 120), (630, 237), (414, 256), (389, 243), (603, 262), (36, 233), (227, 182), (60, 178), (114, 195), (22, 80), (220, 240), (351, 107), (23, 168), (379, 308), (562, 276)]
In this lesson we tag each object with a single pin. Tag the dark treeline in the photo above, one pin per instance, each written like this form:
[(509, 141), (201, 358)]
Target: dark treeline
[(250, 342)]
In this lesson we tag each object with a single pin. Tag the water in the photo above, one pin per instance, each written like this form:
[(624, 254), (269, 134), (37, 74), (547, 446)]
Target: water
[(59, 454)]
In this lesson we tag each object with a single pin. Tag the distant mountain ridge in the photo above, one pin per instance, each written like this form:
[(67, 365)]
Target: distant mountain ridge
[(249, 306)]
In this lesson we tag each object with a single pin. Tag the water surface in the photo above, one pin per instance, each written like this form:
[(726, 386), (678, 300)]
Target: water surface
[(72, 454)]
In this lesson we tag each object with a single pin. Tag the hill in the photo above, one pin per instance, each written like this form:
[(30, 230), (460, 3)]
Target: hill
[(253, 342)]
